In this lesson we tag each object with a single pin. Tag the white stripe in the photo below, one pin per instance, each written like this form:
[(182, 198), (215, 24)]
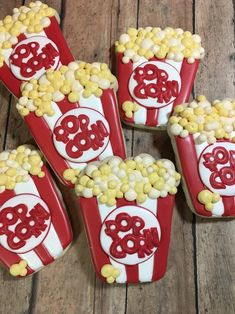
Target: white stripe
[(26, 187), (175, 64), (32, 259), (107, 152), (52, 243), (91, 102), (146, 270), (151, 205), (140, 116), (76, 165), (199, 146), (6, 53), (164, 114), (122, 278), (141, 60), (27, 35), (104, 210), (51, 120), (218, 208)]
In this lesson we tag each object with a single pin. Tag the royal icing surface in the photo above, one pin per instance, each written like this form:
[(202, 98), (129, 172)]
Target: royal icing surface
[(34, 227), (127, 209), (204, 136)]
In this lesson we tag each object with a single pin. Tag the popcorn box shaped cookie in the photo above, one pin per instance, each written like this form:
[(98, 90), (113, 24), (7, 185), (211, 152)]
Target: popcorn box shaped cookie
[(34, 226), (128, 223), (155, 70), (31, 43), (203, 138), (73, 115)]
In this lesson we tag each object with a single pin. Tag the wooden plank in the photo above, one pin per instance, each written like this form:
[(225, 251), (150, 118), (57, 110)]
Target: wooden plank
[(216, 240), (20, 289), (70, 284), (175, 293), (112, 299)]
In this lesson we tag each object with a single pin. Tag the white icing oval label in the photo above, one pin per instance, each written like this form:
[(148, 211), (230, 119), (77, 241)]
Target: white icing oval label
[(130, 234), (217, 168), (81, 134), (24, 223), (154, 84), (33, 56)]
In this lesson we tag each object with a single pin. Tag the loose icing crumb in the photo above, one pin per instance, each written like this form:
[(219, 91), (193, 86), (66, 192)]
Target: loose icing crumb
[(211, 121), (31, 19), (208, 198), (149, 42), (19, 269), (71, 175), (72, 81), (17, 165), (129, 108), (110, 273), (133, 179)]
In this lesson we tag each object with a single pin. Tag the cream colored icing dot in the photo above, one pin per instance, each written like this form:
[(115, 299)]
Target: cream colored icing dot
[(133, 179), (149, 42)]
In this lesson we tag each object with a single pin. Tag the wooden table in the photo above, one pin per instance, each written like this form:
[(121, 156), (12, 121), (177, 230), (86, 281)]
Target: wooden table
[(201, 267)]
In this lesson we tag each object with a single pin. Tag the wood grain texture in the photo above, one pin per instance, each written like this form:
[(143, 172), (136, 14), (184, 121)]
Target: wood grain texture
[(11, 136), (201, 264), (216, 240), (176, 291)]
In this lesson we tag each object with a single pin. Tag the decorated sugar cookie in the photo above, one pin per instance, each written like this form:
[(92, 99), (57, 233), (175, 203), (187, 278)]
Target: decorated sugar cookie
[(203, 137), (155, 69), (31, 42), (34, 227), (73, 115), (127, 210)]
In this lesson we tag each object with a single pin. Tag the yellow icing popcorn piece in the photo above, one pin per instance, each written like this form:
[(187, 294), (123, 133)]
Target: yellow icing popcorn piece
[(72, 81), (31, 19), (208, 198), (16, 165), (149, 42), (19, 269), (208, 121), (136, 178), (71, 175), (109, 272), (129, 108)]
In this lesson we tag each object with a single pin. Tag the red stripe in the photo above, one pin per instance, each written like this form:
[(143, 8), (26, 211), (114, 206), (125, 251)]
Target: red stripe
[(123, 74), (189, 165), (164, 215), (65, 105), (124, 202), (43, 254), (111, 114), (6, 195), (8, 78), (59, 217), (152, 117), (187, 74), (92, 222), (54, 33), (229, 206), (43, 137)]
